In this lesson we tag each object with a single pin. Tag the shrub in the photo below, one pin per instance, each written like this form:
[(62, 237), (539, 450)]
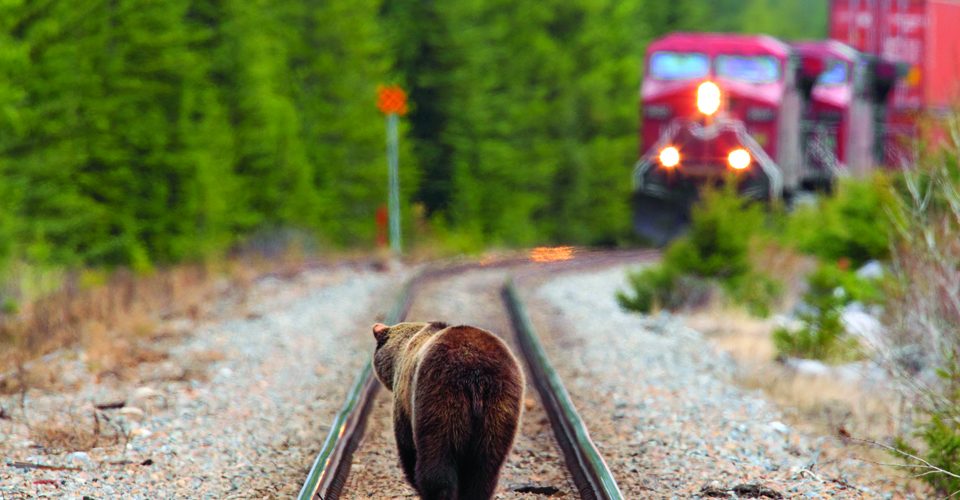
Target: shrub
[(822, 335), (852, 224), (663, 287), (715, 251), (718, 243), (650, 288), (755, 291)]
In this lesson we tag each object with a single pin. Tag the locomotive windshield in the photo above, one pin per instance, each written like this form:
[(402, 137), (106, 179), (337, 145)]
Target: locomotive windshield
[(836, 73), (750, 69), (679, 65)]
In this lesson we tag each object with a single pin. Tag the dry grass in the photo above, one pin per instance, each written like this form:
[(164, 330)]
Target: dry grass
[(819, 402), (117, 320), (68, 432), (787, 265), (64, 437), (112, 321)]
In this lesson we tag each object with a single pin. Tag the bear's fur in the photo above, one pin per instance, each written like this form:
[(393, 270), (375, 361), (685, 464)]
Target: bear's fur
[(457, 402)]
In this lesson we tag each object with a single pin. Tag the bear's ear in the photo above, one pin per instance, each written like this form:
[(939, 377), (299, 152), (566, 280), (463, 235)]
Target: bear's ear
[(380, 331)]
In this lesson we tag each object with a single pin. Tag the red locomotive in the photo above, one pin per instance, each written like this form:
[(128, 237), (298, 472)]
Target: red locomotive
[(777, 117)]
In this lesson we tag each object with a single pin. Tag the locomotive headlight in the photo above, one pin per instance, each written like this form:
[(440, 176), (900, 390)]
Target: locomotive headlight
[(739, 159), (708, 98), (669, 157)]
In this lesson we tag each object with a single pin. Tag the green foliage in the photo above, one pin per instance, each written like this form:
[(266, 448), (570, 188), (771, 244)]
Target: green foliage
[(822, 334), (9, 306), (789, 19), (852, 224), (718, 242), (653, 288), (755, 291), (942, 436), (715, 250), (135, 132), (940, 433)]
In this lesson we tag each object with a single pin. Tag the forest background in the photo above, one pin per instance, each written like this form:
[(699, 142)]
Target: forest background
[(140, 133)]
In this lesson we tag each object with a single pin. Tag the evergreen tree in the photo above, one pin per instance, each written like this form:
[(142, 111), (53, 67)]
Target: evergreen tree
[(271, 160), (337, 64), (13, 57)]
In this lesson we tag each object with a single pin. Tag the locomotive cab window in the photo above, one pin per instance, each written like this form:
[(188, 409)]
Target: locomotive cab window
[(679, 65), (750, 69), (836, 74)]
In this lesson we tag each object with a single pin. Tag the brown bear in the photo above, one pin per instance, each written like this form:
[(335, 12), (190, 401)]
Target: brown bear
[(457, 394)]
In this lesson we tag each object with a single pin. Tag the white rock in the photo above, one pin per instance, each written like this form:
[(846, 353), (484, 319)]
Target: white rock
[(142, 393), (871, 270), (140, 432), (808, 366), (80, 459), (779, 427), (132, 413), (859, 322)]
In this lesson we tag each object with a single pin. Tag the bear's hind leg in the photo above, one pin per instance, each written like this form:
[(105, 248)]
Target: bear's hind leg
[(437, 476), (437, 479), (403, 432), (478, 480)]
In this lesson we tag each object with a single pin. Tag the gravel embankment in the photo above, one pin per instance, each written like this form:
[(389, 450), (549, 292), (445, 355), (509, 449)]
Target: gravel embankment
[(246, 422), (535, 461), (659, 402)]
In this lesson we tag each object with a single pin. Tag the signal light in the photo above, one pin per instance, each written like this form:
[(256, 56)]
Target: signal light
[(708, 98), (739, 159), (669, 157)]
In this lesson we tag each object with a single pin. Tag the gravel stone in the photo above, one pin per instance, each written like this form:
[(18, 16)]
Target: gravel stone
[(660, 403), (249, 425)]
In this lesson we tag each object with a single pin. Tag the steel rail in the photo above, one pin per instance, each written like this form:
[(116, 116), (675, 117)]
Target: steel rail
[(590, 472), (330, 469)]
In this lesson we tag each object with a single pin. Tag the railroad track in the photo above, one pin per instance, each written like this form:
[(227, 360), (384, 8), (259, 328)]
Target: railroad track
[(570, 447)]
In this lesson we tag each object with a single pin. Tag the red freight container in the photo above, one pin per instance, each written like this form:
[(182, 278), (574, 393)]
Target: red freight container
[(924, 34)]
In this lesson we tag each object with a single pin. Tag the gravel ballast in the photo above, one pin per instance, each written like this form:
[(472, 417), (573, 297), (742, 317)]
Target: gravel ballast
[(245, 424), (659, 402)]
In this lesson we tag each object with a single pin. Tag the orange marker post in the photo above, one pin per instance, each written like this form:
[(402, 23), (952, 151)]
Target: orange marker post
[(392, 101)]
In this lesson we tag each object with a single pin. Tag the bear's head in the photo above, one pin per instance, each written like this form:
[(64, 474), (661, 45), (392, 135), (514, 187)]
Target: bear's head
[(391, 342)]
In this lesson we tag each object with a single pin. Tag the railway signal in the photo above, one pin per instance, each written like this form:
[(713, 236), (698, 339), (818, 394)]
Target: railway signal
[(392, 101)]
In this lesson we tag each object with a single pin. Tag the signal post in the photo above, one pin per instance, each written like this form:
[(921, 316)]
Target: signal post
[(392, 101)]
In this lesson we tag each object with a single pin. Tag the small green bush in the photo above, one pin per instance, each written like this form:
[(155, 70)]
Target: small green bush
[(822, 335), (662, 287), (715, 251), (718, 243), (650, 288), (854, 223), (755, 291), (9, 306)]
